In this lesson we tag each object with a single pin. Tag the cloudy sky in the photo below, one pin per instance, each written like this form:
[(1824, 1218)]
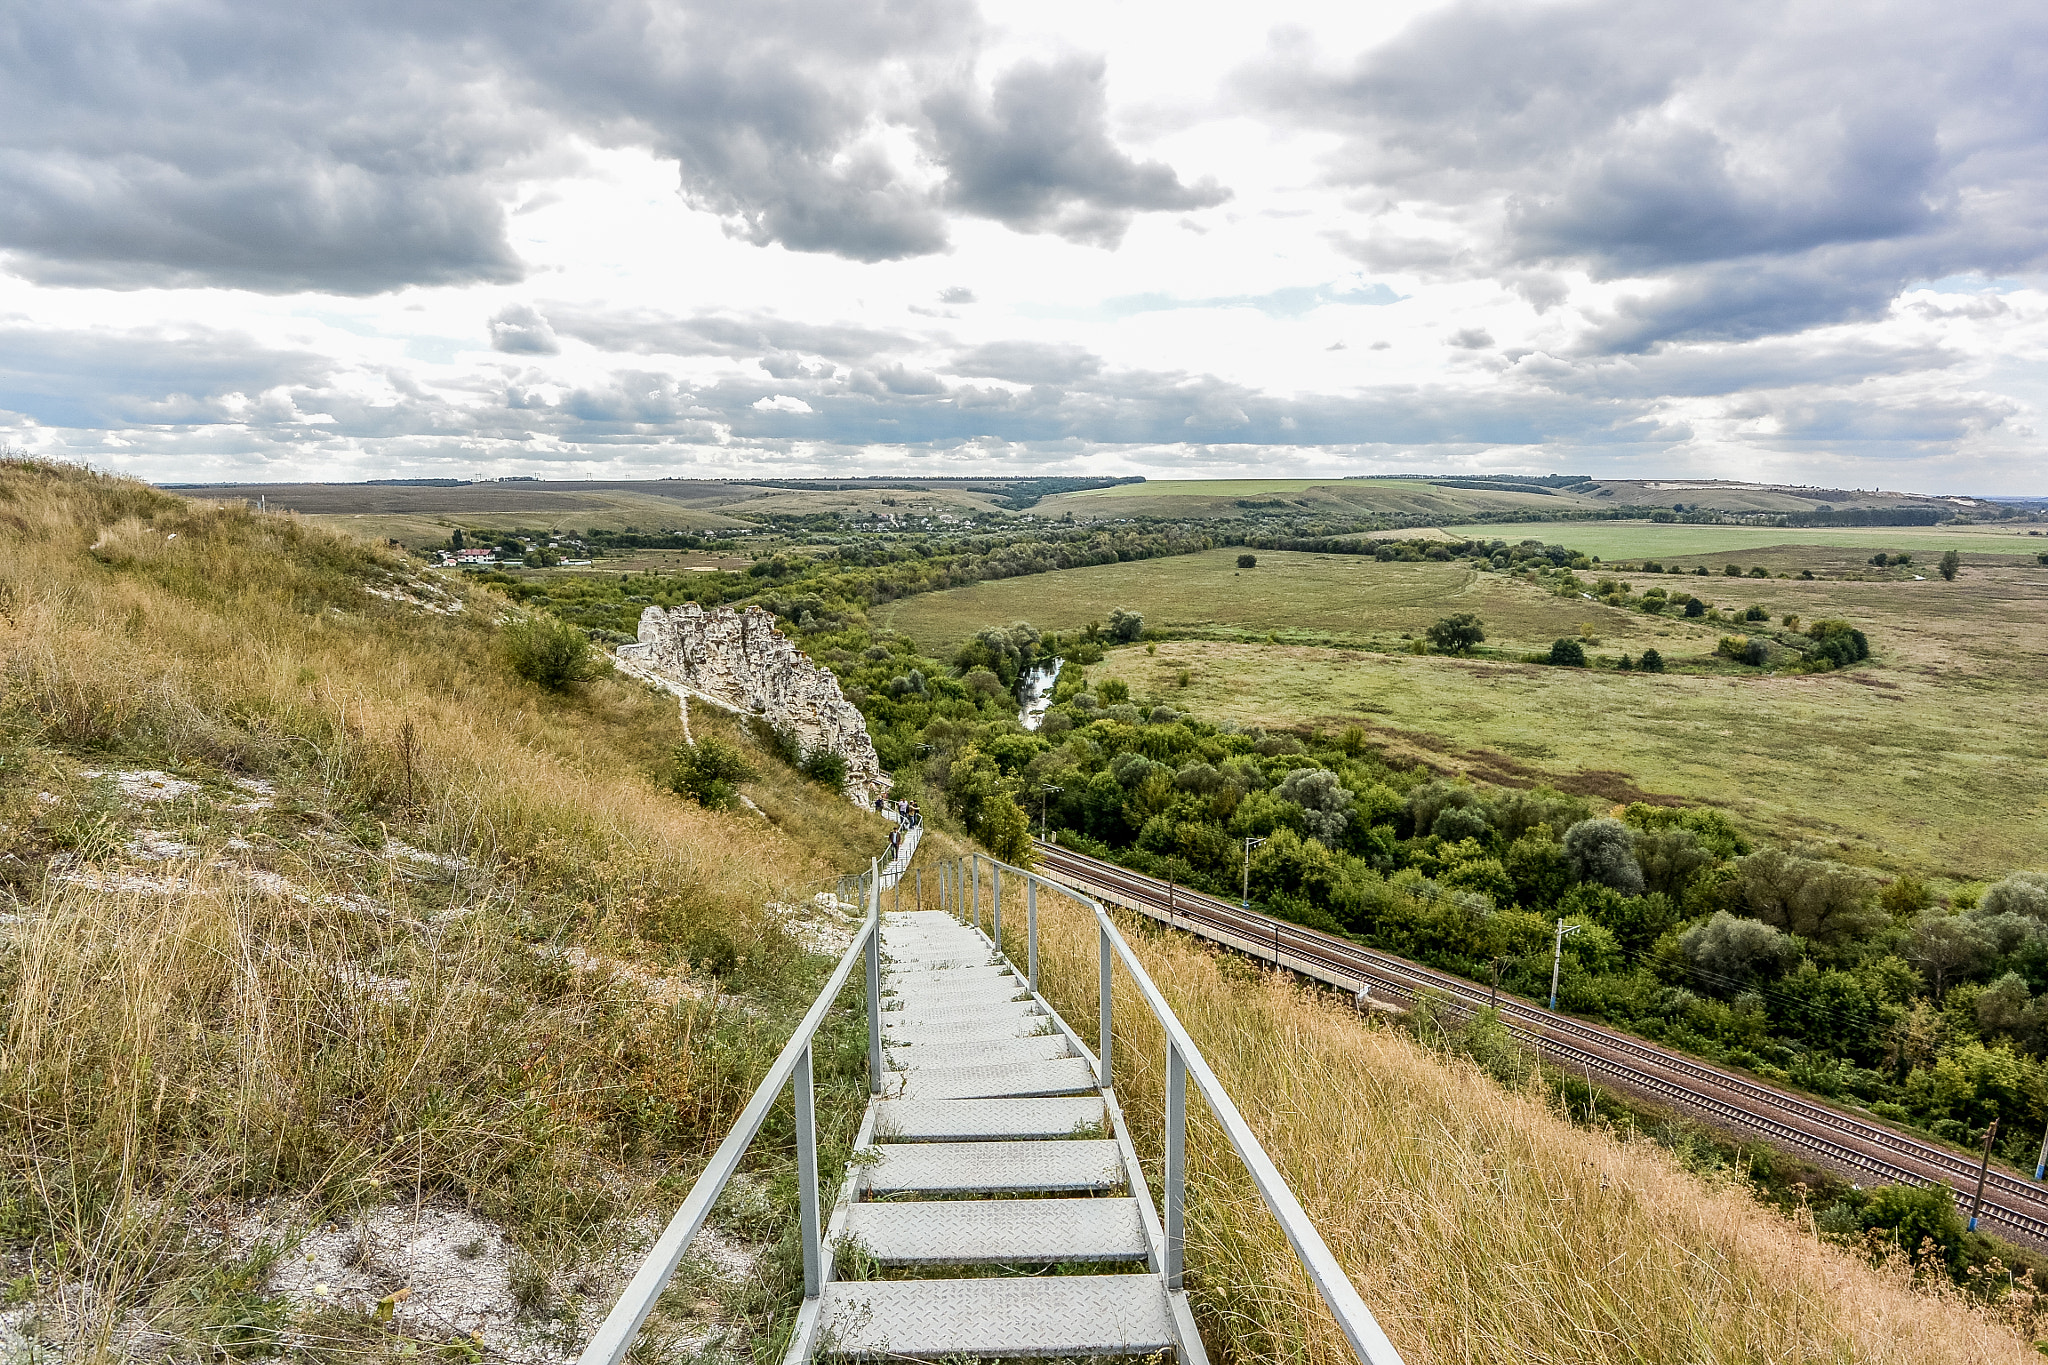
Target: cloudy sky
[(636, 238)]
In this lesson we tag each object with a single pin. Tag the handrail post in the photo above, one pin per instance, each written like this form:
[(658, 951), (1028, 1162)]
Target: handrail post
[(974, 892), (874, 956), (1176, 1164), (995, 905), (807, 1179), (1031, 933), (1104, 1024), (920, 886)]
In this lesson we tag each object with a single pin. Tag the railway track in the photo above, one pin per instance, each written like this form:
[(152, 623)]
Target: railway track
[(1855, 1145)]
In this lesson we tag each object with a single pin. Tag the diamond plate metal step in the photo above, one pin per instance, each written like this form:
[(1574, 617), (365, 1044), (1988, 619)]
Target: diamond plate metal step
[(966, 996), (1067, 1076), (1068, 1315), (995, 1167), (985, 1120), (1002, 1052), (999, 1231), (964, 1033), (914, 1012)]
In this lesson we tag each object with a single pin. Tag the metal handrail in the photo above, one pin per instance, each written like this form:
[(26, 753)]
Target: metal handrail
[(961, 892), (792, 1068)]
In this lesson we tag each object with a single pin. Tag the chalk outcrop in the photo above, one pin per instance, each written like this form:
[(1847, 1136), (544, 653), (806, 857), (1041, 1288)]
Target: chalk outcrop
[(740, 661)]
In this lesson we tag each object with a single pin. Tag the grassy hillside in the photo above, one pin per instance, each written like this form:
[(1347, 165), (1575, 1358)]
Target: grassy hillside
[(309, 903), (1231, 498), (1479, 1226)]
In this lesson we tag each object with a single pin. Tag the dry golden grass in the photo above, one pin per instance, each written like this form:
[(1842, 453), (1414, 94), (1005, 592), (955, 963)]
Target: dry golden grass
[(1479, 1226), (286, 1009)]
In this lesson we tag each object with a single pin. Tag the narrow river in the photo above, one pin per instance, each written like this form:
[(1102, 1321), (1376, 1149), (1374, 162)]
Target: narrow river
[(1036, 693)]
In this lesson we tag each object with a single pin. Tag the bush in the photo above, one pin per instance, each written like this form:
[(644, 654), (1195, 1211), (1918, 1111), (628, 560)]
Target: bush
[(1651, 662), (1757, 614), (825, 768), (1733, 571), (1568, 653), (1457, 634), (1759, 571), (710, 772), (1694, 607), (549, 652), (1247, 561), (1739, 950), (1125, 626), (1950, 562), (2022, 893), (1836, 643), (1604, 851)]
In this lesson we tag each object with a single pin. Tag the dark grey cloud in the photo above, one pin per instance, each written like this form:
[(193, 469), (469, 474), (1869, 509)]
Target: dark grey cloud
[(1763, 168), (1036, 155), (366, 145)]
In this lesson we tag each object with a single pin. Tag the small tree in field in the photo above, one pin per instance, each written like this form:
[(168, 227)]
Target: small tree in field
[(1457, 634), (1125, 625), (1651, 662), (1247, 561), (1568, 653), (1950, 562)]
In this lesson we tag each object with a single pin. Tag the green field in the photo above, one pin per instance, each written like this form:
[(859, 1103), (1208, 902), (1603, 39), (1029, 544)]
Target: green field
[(1644, 539), (1933, 756), (1303, 598), (1223, 499)]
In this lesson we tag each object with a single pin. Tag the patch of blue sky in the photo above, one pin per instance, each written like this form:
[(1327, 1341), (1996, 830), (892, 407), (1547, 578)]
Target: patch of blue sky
[(1291, 302)]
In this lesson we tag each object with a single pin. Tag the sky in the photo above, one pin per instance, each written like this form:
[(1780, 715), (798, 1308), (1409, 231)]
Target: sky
[(1795, 242)]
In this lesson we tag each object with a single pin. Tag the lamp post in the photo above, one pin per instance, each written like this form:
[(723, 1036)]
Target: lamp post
[(1557, 958), (1045, 792), (1245, 890)]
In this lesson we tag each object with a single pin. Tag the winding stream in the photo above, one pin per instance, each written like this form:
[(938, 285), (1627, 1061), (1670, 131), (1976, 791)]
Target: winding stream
[(1035, 691)]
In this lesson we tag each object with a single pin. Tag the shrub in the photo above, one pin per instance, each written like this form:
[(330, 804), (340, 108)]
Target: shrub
[(549, 652), (1651, 662), (2021, 893), (710, 772), (1694, 607), (1457, 634), (1950, 562), (1568, 653), (1737, 949), (1757, 614), (1604, 851), (1114, 691), (1914, 1215), (1247, 561), (1759, 571), (1733, 571), (1462, 822), (1880, 559), (1701, 570), (825, 768), (1125, 626), (1837, 643)]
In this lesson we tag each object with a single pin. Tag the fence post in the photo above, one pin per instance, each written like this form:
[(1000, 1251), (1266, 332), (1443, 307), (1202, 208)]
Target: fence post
[(1176, 1164), (874, 956), (807, 1179), (1103, 1026), (995, 904), (1031, 932), (974, 871)]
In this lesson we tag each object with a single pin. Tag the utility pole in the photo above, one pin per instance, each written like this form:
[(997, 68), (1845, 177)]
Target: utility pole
[(1983, 1169), (1045, 790), (2041, 1166), (1557, 959), (1493, 1000), (1245, 891)]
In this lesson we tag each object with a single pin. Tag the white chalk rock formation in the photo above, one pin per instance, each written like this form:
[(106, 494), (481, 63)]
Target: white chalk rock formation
[(740, 661)]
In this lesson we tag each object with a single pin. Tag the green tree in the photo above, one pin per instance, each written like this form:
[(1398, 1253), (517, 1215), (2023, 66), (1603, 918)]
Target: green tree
[(1457, 634), (1004, 830), (1651, 662), (1568, 653), (710, 772), (1915, 1215), (1950, 562), (1247, 561), (549, 652), (1125, 626)]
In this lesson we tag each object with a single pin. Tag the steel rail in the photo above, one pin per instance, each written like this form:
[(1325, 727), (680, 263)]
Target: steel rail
[(1261, 934)]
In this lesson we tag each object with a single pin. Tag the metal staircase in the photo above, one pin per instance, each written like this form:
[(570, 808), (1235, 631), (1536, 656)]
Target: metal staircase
[(995, 1207)]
